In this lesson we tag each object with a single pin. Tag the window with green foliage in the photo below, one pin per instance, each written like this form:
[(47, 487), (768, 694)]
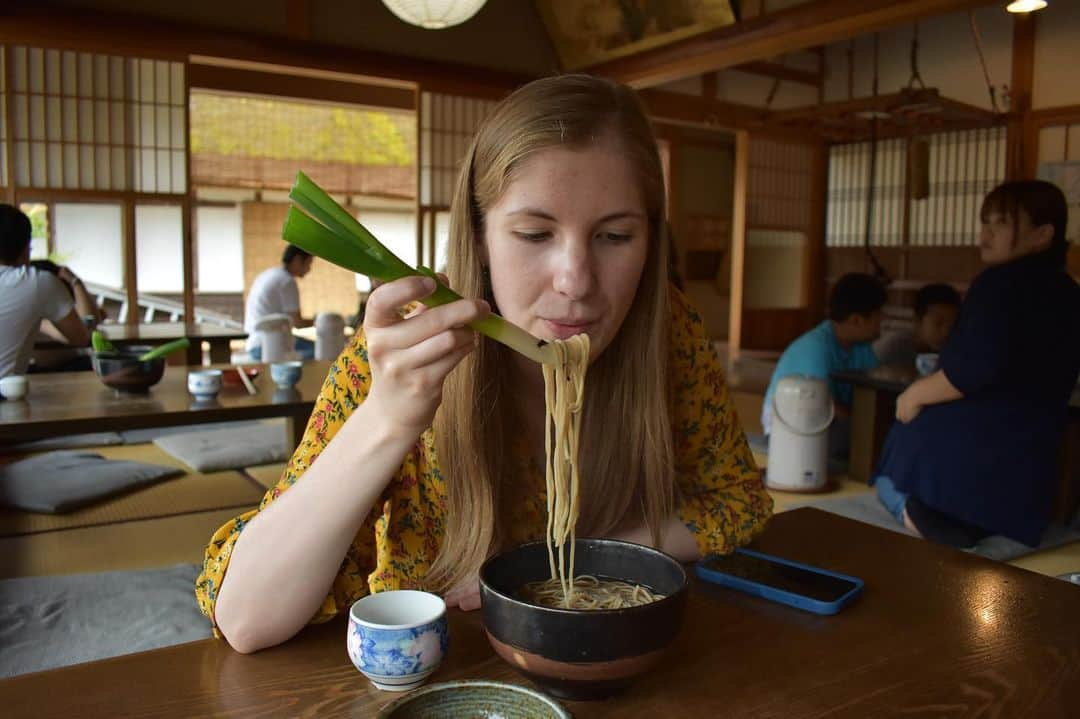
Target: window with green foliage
[(261, 142)]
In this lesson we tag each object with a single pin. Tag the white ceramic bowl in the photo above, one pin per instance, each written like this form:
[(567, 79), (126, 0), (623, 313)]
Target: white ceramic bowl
[(204, 383), (397, 638), (13, 386)]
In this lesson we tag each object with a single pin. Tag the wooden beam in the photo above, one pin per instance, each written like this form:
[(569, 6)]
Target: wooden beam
[(122, 34), (1062, 115), (804, 26), (781, 72), (131, 273), (1021, 135), (231, 79), (814, 267), (675, 107), (738, 243), (9, 141)]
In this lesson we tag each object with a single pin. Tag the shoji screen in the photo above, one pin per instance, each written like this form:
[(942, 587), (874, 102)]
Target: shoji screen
[(97, 122), (964, 166)]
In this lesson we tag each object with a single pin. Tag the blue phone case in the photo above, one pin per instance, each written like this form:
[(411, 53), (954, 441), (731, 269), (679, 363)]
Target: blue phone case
[(799, 601)]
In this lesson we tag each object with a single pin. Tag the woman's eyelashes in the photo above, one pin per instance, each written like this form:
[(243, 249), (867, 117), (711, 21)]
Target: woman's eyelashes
[(532, 236), (540, 236)]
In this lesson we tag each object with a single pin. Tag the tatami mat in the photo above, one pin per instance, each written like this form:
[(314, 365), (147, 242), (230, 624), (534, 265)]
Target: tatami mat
[(267, 475), (138, 544), (185, 494)]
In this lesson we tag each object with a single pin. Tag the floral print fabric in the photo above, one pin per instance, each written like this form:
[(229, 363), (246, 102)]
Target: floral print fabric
[(724, 503)]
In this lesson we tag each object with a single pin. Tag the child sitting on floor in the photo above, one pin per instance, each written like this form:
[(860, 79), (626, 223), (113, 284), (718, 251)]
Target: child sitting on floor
[(936, 307), (841, 342)]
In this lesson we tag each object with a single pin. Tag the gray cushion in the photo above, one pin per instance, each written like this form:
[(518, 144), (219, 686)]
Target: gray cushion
[(142, 436), (866, 508), (233, 448), (49, 622), (57, 482), (73, 441)]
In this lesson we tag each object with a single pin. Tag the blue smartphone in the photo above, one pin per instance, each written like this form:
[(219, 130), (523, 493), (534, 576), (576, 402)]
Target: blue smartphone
[(780, 580)]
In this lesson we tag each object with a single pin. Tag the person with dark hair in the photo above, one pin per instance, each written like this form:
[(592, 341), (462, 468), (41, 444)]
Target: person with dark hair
[(936, 307), (275, 291), (841, 342), (28, 296), (974, 451), (65, 359)]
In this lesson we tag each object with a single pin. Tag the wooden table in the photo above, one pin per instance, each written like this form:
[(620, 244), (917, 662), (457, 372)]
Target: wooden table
[(219, 337), (873, 409), (61, 403), (936, 633)]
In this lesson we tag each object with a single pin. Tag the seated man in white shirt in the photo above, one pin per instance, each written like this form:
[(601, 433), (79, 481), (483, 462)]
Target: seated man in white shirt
[(275, 292), (28, 296)]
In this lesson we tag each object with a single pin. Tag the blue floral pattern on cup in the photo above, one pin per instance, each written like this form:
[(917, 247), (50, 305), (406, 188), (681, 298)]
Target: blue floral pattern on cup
[(398, 652)]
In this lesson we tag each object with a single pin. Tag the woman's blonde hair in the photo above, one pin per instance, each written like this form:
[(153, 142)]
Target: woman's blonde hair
[(627, 460)]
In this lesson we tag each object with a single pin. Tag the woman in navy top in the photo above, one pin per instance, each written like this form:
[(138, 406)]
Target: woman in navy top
[(976, 446)]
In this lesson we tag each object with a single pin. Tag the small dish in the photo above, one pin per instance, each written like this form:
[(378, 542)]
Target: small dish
[(13, 386), (468, 699), (231, 378), (286, 374)]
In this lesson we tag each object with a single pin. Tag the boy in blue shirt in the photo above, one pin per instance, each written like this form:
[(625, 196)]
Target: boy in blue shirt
[(841, 342)]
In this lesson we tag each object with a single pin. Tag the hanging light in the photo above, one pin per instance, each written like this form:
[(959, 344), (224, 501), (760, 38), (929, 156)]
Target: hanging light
[(434, 14), (1019, 6)]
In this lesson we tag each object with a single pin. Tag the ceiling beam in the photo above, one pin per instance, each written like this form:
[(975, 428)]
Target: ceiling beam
[(781, 72), (282, 84), (818, 22), (67, 28)]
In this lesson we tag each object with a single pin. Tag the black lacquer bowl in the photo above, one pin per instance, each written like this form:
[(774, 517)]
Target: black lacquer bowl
[(123, 371), (582, 654)]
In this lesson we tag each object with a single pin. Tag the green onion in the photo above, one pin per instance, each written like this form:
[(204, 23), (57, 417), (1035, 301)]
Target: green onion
[(328, 231)]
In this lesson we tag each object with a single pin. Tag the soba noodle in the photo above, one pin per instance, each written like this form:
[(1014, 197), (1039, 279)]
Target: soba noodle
[(564, 387)]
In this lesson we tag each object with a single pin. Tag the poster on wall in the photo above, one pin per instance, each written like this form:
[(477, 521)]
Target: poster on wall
[(1066, 175), (587, 32)]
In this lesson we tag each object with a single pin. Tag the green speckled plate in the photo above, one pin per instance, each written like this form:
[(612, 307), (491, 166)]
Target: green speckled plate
[(474, 700)]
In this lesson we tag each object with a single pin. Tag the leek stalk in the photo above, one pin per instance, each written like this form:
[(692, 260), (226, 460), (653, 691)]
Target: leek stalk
[(328, 231)]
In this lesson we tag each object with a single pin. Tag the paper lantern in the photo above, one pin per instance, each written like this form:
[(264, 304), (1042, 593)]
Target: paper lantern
[(434, 14)]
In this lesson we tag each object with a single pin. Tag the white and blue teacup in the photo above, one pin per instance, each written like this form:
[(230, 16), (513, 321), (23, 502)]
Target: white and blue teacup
[(204, 383), (397, 638), (927, 363), (286, 374)]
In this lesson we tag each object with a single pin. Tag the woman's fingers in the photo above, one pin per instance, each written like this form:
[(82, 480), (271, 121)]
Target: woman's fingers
[(384, 301)]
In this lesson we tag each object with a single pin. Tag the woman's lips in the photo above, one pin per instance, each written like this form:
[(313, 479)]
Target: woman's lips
[(563, 330)]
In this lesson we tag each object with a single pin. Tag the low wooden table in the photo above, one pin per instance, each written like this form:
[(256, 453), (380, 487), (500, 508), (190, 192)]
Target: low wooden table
[(937, 632), (873, 409), (62, 403)]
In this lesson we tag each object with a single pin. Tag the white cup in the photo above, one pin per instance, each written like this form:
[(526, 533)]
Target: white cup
[(13, 386), (204, 383)]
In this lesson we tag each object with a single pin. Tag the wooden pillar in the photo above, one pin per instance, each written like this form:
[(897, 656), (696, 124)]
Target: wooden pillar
[(1020, 158), (814, 263), (738, 243), (9, 141), (187, 212), (131, 282)]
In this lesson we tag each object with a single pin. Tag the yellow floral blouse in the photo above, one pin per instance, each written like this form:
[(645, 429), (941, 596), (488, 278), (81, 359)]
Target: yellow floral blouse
[(724, 501)]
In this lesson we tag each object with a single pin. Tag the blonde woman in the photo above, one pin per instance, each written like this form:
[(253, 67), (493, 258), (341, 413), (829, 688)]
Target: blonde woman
[(425, 451)]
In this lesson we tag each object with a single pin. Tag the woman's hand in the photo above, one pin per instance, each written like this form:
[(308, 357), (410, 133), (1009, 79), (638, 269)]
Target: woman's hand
[(465, 596), (908, 405), (410, 357)]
